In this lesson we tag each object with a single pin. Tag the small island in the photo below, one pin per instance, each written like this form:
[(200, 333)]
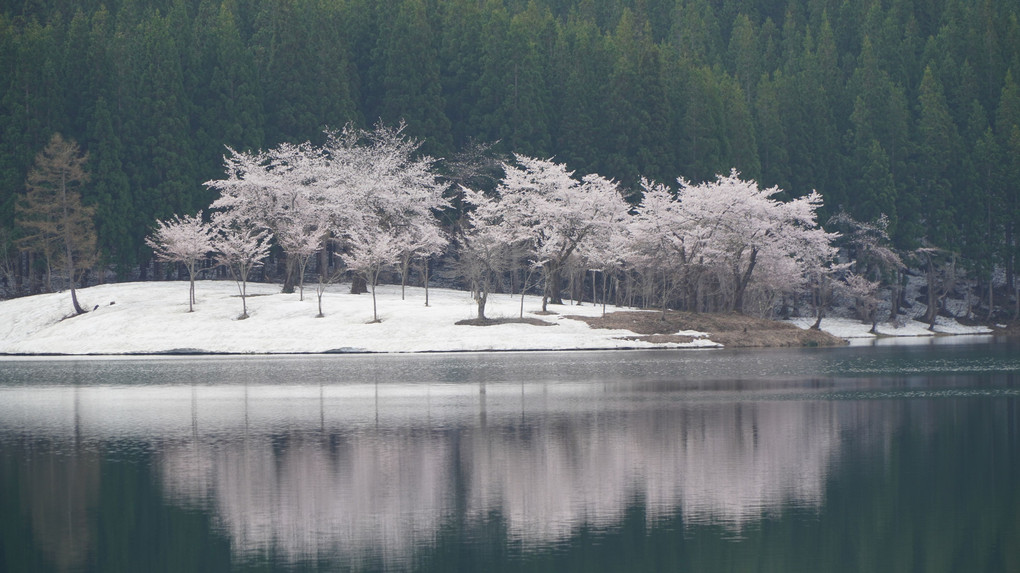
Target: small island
[(152, 318)]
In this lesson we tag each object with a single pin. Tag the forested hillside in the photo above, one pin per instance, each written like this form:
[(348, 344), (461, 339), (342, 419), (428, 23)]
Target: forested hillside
[(907, 108)]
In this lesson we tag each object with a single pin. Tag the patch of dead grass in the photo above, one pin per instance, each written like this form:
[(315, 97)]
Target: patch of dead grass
[(730, 329), (495, 321)]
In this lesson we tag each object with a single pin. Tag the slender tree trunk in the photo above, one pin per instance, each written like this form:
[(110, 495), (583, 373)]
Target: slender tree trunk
[(302, 264), (70, 278), (320, 289), (244, 298), (932, 296), (819, 307), (425, 277), (991, 297), (374, 276), (665, 295), (404, 267), (191, 286), (570, 286), (524, 289)]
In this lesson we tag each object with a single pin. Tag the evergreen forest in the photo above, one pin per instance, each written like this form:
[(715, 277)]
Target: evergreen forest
[(902, 109)]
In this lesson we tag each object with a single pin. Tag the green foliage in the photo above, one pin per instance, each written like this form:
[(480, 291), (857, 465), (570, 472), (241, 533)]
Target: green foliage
[(883, 107)]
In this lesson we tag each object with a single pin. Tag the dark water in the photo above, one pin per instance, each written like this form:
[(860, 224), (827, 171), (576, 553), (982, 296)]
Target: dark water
[(852, 459)]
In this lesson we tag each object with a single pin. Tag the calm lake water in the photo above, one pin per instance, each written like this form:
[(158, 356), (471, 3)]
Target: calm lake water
[(900, 458)]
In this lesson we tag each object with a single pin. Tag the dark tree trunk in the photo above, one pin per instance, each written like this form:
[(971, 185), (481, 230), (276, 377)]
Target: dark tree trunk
[(819, 308), (288, 274), (480, 300), (70, 277), (359, 285), (743, 281), (552, 286)]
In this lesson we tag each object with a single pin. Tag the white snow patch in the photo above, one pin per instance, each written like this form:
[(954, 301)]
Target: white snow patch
[(849, 328), (153, 317)]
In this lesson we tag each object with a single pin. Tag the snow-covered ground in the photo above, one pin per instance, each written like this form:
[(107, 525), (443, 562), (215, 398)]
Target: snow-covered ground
[(907, 326), (153, 317), (851, 329)]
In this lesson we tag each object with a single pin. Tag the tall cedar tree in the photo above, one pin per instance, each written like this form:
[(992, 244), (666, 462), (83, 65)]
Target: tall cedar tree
[(51, 216)]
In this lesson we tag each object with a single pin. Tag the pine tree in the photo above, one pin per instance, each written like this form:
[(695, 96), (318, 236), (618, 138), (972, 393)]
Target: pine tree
[(110, 192), (412, 91), (524, 122), (638, 107), (1007, 132), (51, 216), (938, 152), (771, 136), (584, 61)]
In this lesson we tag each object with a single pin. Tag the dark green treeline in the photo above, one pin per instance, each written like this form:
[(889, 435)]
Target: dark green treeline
[(909, 108)]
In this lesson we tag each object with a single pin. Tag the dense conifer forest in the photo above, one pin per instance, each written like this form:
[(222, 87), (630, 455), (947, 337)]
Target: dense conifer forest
[(904, 108)]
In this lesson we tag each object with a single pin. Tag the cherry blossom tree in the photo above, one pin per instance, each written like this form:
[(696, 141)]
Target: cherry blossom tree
[(301, 233), (606, 253), (485, 243), (866, 300), (556, 212), (430, 240), (392, 193), (367, 190), (241, 248), (186, 240), (371, 250), (664, 238), (400, 191), (279, 190), (739, 225), (422, 239), (711, 241)]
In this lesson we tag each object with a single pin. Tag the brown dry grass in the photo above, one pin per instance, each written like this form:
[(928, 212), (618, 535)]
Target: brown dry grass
[(730, 330), (495, 321)]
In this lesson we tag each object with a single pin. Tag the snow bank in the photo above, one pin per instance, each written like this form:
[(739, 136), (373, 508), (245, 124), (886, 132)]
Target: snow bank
[(849, 329), (153, 317)]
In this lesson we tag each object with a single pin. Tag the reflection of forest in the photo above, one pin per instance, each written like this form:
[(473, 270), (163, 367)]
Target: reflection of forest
[(365, 472)]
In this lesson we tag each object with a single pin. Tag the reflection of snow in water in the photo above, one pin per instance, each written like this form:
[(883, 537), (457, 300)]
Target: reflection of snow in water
[(363, 472)]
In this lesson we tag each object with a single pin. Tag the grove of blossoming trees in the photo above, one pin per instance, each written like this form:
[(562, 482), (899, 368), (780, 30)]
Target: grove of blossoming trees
[(368, 197)]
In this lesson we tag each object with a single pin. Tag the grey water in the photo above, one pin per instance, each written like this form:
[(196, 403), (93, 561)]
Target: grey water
[(899, 458)]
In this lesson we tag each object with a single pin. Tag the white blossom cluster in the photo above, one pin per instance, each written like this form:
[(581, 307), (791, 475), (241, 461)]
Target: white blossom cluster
[(720, 245)]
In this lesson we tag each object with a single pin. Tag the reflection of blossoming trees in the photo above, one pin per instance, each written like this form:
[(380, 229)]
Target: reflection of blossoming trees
[(728, 464), (364, 472), (382, 491), (372, 497)]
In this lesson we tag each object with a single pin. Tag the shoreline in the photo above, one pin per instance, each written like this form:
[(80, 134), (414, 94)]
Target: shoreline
[(151, 319)]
